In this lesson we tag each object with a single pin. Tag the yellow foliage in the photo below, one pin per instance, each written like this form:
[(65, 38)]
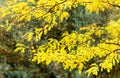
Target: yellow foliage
[(74, 50), (93, 70)]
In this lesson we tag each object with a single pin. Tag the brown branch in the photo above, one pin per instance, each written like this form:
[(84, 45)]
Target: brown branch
[(111, 43), (102, 58), (111, 52), (114, 5), (56, 5)]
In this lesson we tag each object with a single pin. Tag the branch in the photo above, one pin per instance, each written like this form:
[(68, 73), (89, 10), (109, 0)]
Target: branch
[(111, 43), (114, 5), (50, 10)]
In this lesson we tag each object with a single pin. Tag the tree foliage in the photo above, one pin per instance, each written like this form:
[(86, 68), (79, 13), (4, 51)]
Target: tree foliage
[(94, 48)]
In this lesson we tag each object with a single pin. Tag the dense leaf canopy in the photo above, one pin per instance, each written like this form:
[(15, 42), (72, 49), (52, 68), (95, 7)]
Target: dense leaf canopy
[(94, 48)]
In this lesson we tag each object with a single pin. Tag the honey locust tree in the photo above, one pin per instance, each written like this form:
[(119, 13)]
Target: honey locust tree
[(94, 48)]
